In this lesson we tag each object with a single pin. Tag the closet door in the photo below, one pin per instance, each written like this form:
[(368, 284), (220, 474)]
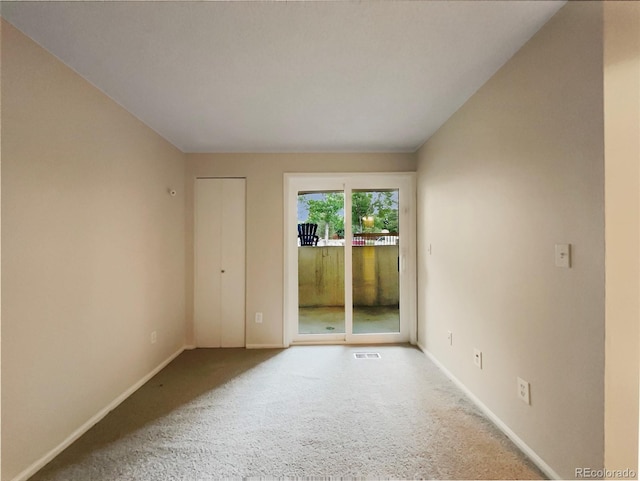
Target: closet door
[(219, 284)]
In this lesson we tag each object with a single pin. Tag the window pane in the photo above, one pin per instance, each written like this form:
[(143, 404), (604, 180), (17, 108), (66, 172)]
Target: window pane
[(376, 288), (321, 263)]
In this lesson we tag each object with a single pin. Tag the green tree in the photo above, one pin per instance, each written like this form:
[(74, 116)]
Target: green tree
[(386, 212), (379, 205), (326, 213), (361, 206)]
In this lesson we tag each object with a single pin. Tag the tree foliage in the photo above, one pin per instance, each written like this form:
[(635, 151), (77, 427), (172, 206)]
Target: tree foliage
[(380, 205), (328, 210)]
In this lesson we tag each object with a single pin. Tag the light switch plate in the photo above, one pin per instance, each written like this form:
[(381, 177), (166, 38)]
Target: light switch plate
[(563, 255)]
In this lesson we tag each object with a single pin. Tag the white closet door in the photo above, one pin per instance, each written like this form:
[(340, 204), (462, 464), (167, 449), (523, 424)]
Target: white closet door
[(219, 263), (232, 262)]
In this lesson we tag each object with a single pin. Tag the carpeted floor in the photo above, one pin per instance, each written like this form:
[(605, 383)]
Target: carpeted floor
[(312, 411)]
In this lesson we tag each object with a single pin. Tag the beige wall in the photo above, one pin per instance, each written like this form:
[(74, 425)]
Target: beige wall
[(92, 251), (518, 169), (265, 212), (622, 200)]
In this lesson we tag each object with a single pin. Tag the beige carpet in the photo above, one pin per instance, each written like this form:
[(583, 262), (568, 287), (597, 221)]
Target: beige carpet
[(311, 411)]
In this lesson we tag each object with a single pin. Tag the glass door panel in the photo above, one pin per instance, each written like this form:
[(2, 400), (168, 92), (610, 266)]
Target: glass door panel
[(375, 261), (321, 263)]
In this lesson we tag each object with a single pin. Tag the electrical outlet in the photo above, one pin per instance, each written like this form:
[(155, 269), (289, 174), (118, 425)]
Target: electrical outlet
[(477, 358), (154, 337), (258, 317), (523, 391), (450, 337)]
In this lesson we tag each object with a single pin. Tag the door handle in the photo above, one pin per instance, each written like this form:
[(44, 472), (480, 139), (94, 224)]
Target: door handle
[(222, 271), (402, 263)]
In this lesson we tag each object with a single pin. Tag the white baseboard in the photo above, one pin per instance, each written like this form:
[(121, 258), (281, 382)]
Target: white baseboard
[(189, 347), (40, 463), (264, 346), (537, 460)]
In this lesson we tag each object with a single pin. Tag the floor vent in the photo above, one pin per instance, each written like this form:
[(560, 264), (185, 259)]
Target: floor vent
[(366, 355)]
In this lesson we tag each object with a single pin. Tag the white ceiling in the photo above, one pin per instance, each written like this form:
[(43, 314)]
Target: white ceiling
[(286, 76)]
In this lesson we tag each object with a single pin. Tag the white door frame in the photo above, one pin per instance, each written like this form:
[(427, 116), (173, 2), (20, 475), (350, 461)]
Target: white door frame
[(405, 183)]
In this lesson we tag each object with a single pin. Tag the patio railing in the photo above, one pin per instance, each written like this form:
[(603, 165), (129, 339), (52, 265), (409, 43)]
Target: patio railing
[(363, 239), (375, 239)]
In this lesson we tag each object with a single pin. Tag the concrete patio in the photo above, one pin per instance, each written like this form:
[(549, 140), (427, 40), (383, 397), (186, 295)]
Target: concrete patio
[(366, 320)]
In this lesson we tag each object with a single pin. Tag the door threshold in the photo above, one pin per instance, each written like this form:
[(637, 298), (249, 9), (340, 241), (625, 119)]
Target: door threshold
[(349, 343), (317, 343)]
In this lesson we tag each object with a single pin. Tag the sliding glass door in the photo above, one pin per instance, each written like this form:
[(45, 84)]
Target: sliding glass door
[(375, 261), (321, 302), (349, 258)]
